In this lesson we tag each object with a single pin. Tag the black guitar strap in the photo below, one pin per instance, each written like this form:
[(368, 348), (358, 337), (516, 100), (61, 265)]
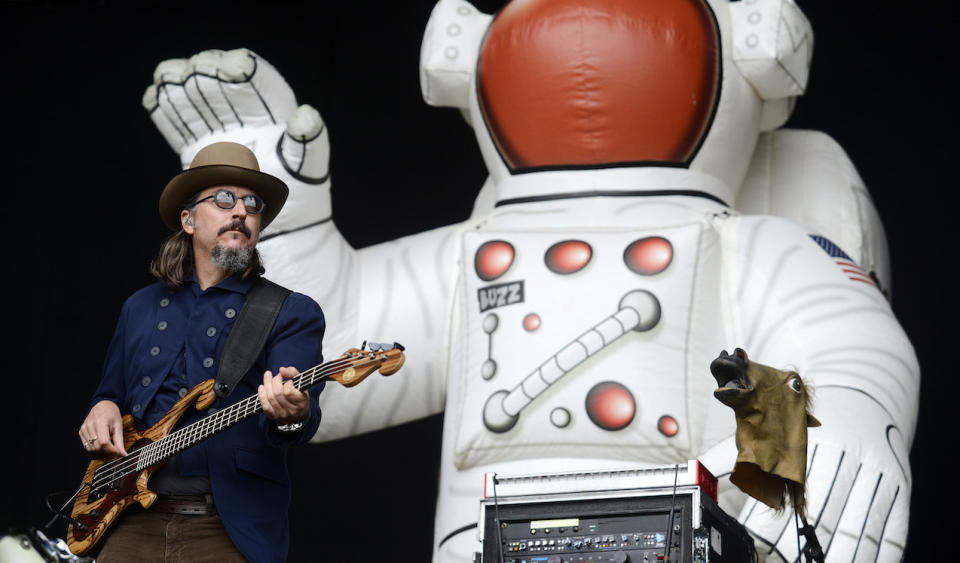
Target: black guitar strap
[(249, 333)]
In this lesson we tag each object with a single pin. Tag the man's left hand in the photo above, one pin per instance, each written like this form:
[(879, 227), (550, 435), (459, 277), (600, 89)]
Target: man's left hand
[(282, 401)]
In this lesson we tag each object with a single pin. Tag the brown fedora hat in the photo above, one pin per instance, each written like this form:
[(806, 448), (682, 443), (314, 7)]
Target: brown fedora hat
[(221, 164)]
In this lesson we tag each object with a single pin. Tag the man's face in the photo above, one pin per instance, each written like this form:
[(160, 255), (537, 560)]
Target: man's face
[(211, 226)]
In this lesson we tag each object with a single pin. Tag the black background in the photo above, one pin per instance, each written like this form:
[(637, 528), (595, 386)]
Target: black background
[(83, 165)]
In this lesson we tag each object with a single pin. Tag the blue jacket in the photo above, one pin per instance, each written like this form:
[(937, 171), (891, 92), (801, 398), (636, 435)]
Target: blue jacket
[(167, 342)]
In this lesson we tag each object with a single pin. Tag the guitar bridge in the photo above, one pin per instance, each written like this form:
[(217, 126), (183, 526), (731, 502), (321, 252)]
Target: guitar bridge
[(97, 493)]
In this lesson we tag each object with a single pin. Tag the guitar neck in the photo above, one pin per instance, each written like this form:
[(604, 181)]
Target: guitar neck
[(211, 425)]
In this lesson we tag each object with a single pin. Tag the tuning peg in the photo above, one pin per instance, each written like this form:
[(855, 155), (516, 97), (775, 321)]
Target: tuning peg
[(383, 347)]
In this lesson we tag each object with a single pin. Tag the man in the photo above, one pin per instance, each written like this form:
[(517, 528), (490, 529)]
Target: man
[(170, 337)]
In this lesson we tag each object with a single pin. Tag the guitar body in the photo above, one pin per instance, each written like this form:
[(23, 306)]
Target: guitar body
[(111, 483), (97, 508)]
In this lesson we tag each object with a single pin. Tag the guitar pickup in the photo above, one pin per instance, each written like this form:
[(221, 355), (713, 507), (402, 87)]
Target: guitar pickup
[(97, 493)]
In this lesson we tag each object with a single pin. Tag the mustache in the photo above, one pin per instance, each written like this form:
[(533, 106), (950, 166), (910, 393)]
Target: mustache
[(236, 225)]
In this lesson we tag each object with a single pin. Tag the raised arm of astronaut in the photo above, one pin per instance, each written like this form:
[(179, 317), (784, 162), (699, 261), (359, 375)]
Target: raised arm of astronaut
[(795, 300), (406, 288), (238, 96)]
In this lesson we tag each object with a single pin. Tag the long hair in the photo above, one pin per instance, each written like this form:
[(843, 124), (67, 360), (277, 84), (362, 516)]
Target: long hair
[(174, 261)]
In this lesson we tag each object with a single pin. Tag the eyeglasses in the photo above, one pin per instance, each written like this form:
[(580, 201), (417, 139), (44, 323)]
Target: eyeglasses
[(225, 199)]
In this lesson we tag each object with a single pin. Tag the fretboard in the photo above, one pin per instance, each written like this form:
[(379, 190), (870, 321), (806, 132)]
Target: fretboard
[(211, 425)]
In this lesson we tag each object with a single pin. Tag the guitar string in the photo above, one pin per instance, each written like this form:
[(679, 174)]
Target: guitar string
[(186, 437), (172, 443)]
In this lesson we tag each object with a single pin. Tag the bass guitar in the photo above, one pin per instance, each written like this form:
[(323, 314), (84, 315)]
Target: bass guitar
[(112, 483)]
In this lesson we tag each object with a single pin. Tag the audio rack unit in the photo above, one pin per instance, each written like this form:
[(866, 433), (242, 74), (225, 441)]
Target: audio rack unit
[(624, 515)]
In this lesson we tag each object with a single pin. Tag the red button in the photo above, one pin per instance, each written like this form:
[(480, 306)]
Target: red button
[(668, 426), (568, 256), (610, 405), (493, 259), (648, 256)]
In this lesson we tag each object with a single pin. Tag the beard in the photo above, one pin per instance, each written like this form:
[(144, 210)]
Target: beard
[(231, 261)]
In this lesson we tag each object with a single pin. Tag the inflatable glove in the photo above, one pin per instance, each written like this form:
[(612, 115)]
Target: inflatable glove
[(238, 96), (858, 489)]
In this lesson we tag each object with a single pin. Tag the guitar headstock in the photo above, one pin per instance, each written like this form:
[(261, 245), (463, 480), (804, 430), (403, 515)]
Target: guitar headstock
[(357, 363)]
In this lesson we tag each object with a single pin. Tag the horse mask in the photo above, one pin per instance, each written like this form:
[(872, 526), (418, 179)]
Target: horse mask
[(773, 412)]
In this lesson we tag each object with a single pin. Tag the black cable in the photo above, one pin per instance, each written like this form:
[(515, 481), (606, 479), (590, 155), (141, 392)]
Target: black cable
[(673, 506), (496, 519), (812, 550), (59, 513), (796, 521)]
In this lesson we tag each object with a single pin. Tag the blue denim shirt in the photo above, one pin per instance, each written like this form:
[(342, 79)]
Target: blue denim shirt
[(166, 342)]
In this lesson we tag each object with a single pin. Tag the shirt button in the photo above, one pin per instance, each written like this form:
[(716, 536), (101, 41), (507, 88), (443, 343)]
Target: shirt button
[(145, 381), (207, 362), (229, 313), (154, 351), (211, 331), (162, 325), (136, 408), (164, 302), (183, 391), (212, 410)]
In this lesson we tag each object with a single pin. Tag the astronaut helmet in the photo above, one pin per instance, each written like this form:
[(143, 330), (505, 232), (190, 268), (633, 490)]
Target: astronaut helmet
[(629, 86)]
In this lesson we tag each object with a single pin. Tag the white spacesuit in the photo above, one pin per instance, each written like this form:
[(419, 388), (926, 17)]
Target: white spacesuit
[(614, 251)]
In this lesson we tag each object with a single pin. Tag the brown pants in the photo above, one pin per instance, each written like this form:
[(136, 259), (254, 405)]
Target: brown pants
[(150, 536)]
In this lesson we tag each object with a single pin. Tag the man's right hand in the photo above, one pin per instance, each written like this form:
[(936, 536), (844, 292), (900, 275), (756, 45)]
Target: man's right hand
[(102, 431)]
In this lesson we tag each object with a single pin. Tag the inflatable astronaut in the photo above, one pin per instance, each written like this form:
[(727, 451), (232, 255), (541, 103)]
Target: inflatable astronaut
[(642, 213)]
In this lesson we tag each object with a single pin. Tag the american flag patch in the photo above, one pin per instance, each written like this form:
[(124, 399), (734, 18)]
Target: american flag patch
[(852, 271)]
